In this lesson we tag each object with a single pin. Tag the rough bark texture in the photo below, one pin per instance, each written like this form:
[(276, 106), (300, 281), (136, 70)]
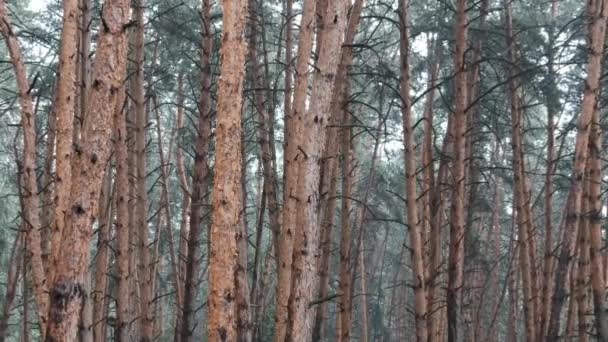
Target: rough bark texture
[(291, 167), (226, 199), (29, 188), (582, 277), (121, 331), (595, 234), (597, 11), (64, 124), (306, 243), (344, 301), (456, 250), (49, 191), (102, 259), (67, 290), (328, 186)]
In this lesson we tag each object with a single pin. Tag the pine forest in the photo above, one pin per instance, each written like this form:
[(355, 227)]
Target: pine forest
[(303, 170)]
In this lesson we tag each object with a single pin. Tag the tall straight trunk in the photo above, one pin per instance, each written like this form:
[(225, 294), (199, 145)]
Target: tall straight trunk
[(571, 316), (133, 231), (598, 285), (243, 316), (182, 254), (493, 248), (101, 260), (596, 11), (360, 216), (439, 198), (582, 277), (552, 100), (29, 188), (288, 10), (415, 226), (520, 193), (428, 188), (291, 168), (512, 281), (15, 263), (306, 243), (146, 319), (47, 196), (67, 290), (328, 183), (456, 250), (200, 178), (364, 328), (345, 288), (329, 187), (226, 199), (473, 287), (25, 331), (84, 65), (64, 124), (85, 322), (256, 296), (121, 331)]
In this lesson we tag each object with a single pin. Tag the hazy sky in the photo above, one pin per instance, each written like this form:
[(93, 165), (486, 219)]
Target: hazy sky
[(37, 5)]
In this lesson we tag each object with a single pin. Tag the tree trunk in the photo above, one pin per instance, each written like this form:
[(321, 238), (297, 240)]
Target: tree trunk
[(597, 11), (512, 281), (263, 134), (595, 234), (456, 250), (306, 244), (291, 167), (344, 300), (47, 196), (84, 66), (101, 260), (121, 332), (25, 331), (328, 183), (146, 319), (67, 290), (14, 269), (582, 276), (29, 188), (520, 196), (552, 100), (184, 230), (64, 124), (243, 316), (428, 188), (493, 248), (165, 202), (200, 178), (226, 199), (414, 224)]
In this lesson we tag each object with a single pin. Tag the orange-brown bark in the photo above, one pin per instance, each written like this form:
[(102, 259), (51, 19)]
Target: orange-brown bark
[(29, 188), (226, 199), (67, 290), (596, 11)]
